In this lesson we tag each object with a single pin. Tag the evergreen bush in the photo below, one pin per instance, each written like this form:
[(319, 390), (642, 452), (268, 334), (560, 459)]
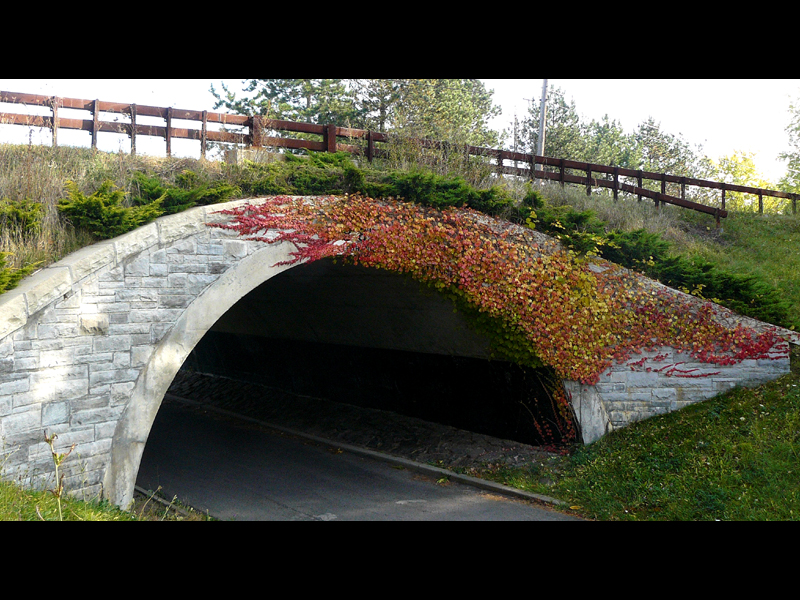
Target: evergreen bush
[(102, 213), (9, 276), (23, 217), (188, 192)]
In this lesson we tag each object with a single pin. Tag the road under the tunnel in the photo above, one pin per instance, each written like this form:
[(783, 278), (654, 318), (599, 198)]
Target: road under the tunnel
[(237, 470)]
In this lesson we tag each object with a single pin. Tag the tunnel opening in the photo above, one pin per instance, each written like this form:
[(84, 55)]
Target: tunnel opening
[(378, 340), (494, 398)]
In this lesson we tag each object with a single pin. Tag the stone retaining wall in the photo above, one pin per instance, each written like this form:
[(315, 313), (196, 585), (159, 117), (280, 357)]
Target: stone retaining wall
[(661, 381)]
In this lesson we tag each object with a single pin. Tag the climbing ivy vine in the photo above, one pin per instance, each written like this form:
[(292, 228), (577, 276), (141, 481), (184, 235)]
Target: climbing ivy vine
[(548, 304)]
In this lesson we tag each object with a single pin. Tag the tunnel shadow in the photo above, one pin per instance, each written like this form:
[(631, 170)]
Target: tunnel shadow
[(379, 340), (495, 398)]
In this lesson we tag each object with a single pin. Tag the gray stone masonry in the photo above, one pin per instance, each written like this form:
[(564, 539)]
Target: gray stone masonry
[(75, 337), (656, 382), (89, 345)]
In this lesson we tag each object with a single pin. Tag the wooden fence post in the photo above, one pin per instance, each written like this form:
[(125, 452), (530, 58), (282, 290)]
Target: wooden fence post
[(168, 131), (663, 188), (204, 135), (561, 172), (54, 123), (639, 183), (760, 203), (95, 123), (588, 180), (330, 138), (723, 196), (133, 129), (256, 128), (616, 183), (370, 146)]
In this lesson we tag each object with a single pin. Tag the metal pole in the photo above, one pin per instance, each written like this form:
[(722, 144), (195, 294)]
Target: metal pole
[(542, 113)]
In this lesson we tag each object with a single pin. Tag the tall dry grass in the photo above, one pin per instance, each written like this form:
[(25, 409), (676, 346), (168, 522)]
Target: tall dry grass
[(405, 153), (40, 173), (678, 225)]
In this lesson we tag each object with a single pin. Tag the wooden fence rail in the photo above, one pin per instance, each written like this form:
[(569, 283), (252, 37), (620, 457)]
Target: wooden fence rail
[(365, 144), (94, 125)]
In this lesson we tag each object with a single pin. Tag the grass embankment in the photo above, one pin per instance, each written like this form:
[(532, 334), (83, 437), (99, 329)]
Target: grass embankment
[(732, 457)]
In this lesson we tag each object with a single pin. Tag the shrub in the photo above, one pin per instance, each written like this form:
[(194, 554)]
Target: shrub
[(9, 276), (439, 191), (649, 253), (188, 193), (102, 213), (24, 217)]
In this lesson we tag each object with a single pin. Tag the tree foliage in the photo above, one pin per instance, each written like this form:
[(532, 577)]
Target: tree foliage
[(444, 109), (663, 152), (304, 100), (564, 136), (739, 168), (569, 135), (376, 101), (791, 181), (456, 110)]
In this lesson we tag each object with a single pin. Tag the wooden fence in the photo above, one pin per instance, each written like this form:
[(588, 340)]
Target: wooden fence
[(357, 141), (94, 125)]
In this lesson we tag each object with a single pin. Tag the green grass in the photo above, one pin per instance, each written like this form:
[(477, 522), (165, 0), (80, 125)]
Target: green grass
[(733, 457), (19, 504), (762, 245)]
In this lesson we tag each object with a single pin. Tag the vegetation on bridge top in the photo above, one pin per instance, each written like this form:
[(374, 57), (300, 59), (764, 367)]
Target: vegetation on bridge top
[(55, 200)]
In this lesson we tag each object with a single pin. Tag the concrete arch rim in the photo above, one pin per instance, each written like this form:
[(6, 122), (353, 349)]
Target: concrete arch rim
[(157, 374)]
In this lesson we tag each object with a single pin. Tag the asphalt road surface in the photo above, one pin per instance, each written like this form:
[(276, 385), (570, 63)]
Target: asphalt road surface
[(242, 472)]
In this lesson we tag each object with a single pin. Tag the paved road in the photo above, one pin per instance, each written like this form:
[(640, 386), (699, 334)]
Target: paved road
[(238, 471)]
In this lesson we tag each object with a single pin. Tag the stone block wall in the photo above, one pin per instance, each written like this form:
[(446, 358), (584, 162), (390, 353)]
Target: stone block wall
[(76, 336), (656, 382)]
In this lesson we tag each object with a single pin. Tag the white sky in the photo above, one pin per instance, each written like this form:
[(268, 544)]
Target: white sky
[(721, 115)]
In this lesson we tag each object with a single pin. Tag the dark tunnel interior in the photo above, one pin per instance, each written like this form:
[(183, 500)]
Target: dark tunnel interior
[(374, 339)]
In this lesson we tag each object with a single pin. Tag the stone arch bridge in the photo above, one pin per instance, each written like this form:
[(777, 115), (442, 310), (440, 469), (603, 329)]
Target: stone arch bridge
[(90, 345)]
